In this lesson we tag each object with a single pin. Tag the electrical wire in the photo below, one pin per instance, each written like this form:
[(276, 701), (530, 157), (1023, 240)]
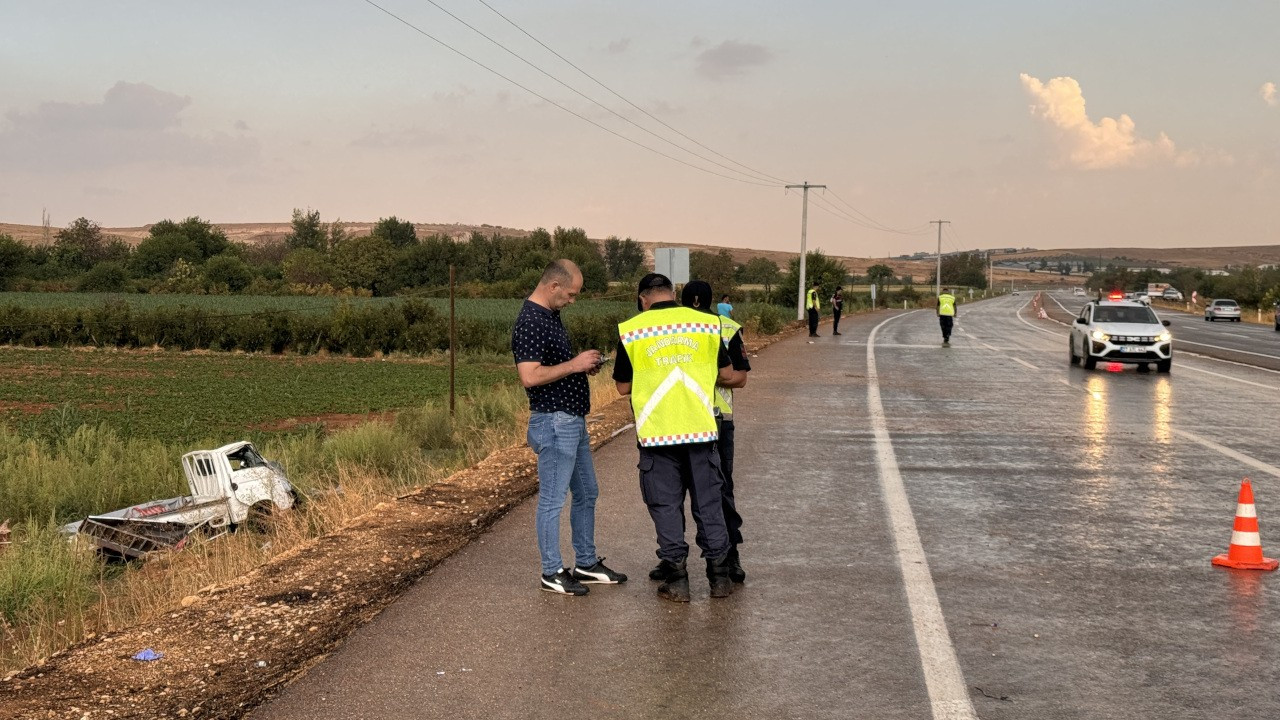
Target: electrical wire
[(586, 97), (548, 100), (879, 225), (632, 104)]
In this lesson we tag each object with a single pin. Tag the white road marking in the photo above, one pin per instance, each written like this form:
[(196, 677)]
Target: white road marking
[(1226, 377), (1247, 460), (1020, 361), (948, 694), (1219, 347)]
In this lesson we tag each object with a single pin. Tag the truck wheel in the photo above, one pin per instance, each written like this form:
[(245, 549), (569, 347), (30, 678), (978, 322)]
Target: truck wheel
[(1071, 349), (259, 518)]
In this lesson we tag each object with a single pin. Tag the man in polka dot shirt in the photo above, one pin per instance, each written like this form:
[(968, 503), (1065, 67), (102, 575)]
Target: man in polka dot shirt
[(559, 400)]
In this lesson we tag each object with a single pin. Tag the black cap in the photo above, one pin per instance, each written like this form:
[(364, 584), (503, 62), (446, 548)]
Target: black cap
[(649, 282), (699, 290)]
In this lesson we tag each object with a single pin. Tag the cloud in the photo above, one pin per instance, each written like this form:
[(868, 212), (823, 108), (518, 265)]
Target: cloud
[(731, 59), (617, 47), (1109, 143), (1268, 93), (135, 124)]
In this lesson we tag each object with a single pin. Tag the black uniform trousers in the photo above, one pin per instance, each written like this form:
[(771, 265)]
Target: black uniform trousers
[(813, 321), (945, 321), (666, 474), (732, 520), (835, 325)]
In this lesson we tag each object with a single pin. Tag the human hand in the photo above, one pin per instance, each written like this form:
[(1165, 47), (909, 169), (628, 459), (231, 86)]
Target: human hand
[(586, 361)]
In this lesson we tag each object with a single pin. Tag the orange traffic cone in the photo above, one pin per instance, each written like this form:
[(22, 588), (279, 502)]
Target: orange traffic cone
[(1245, 551)]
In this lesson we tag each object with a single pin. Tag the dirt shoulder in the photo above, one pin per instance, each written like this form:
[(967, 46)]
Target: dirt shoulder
[(234, 646)]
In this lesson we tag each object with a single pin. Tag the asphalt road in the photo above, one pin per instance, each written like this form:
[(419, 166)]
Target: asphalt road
[(977, 531), (1239, 342)]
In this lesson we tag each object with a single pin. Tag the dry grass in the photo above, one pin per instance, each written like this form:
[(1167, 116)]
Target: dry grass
[(54, 594)]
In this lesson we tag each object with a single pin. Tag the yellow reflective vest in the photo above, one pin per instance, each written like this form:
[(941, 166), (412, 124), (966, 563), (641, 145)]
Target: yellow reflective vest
[(674, 353), (811, 303), (946, 304), (724, 395)]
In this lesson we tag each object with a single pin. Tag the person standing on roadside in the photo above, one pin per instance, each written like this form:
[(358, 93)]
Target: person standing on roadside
[(946, 315), (697, 295), (837, 307), (559, 399), (669, 361), (724, 308), (812, 305)]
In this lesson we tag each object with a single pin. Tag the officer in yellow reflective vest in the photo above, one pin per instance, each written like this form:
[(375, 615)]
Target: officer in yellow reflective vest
[(669, 361), (697, 294), (813, 306), (946, 315)]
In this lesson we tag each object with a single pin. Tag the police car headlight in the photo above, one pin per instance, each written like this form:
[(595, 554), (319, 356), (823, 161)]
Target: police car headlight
[(1164, 336), (1099, 335)]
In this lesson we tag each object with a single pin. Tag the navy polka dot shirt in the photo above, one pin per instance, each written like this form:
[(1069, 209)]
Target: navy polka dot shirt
[(539, 336)]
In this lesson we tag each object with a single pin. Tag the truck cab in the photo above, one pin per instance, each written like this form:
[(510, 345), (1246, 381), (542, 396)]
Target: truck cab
[(230, 486)]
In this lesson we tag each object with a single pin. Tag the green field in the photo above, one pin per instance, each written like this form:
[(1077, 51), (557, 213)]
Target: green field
[(186, 397)]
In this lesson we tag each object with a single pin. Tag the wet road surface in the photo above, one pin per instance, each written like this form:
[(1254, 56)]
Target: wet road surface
[(1058, 521)]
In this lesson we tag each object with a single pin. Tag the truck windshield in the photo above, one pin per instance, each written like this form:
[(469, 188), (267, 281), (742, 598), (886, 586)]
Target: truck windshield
[(1139, 315), (245, 457)]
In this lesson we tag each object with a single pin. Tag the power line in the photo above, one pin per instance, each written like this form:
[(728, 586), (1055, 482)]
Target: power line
[(583, 95), (916, 230), (625, 100), (548, 100)]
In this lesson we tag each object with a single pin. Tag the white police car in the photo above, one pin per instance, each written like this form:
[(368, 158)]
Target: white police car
[(1119, 330)]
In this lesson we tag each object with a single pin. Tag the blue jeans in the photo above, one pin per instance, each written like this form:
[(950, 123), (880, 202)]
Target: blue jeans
[(563, 447)]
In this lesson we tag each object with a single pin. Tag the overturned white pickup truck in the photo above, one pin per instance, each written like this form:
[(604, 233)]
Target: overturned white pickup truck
[(230, 486)]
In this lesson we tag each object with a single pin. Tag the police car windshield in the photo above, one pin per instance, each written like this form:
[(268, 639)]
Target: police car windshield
[(1113, 314)]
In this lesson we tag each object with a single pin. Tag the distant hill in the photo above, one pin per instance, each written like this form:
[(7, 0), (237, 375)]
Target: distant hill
[(1204, 257)]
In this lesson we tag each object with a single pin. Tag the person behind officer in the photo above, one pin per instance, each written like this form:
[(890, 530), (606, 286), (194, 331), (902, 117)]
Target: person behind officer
[(697, 295), (946, 315), (812, 304), (669, 361), (837, 307)]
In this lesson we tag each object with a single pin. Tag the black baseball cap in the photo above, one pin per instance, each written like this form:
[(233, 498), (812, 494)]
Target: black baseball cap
[(649, 282)]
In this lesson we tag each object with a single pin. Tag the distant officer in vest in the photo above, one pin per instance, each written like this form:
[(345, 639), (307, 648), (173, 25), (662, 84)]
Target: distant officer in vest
[(669, 361), (813, 305), (946, 315), (697, 295)]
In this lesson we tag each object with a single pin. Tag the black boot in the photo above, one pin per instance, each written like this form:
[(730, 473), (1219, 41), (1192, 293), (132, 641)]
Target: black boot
[(664, 570), (676, 586), (718, 577), (736, 573)]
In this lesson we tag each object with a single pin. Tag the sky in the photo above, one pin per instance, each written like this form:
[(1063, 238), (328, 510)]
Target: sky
[(1024, 124)]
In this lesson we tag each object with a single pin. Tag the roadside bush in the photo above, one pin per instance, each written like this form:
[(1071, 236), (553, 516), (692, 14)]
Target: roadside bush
[(104, 277)]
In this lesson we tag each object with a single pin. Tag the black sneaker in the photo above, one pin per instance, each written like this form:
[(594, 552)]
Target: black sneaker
[(664, 571), (563, 583), (599, 574)]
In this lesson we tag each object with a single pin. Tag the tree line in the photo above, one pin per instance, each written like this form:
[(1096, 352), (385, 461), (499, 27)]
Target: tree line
[(194, 256)]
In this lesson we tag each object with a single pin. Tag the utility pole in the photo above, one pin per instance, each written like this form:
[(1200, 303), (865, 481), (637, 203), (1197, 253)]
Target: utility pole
[(990, 273), (937, 290), (804, 229)]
